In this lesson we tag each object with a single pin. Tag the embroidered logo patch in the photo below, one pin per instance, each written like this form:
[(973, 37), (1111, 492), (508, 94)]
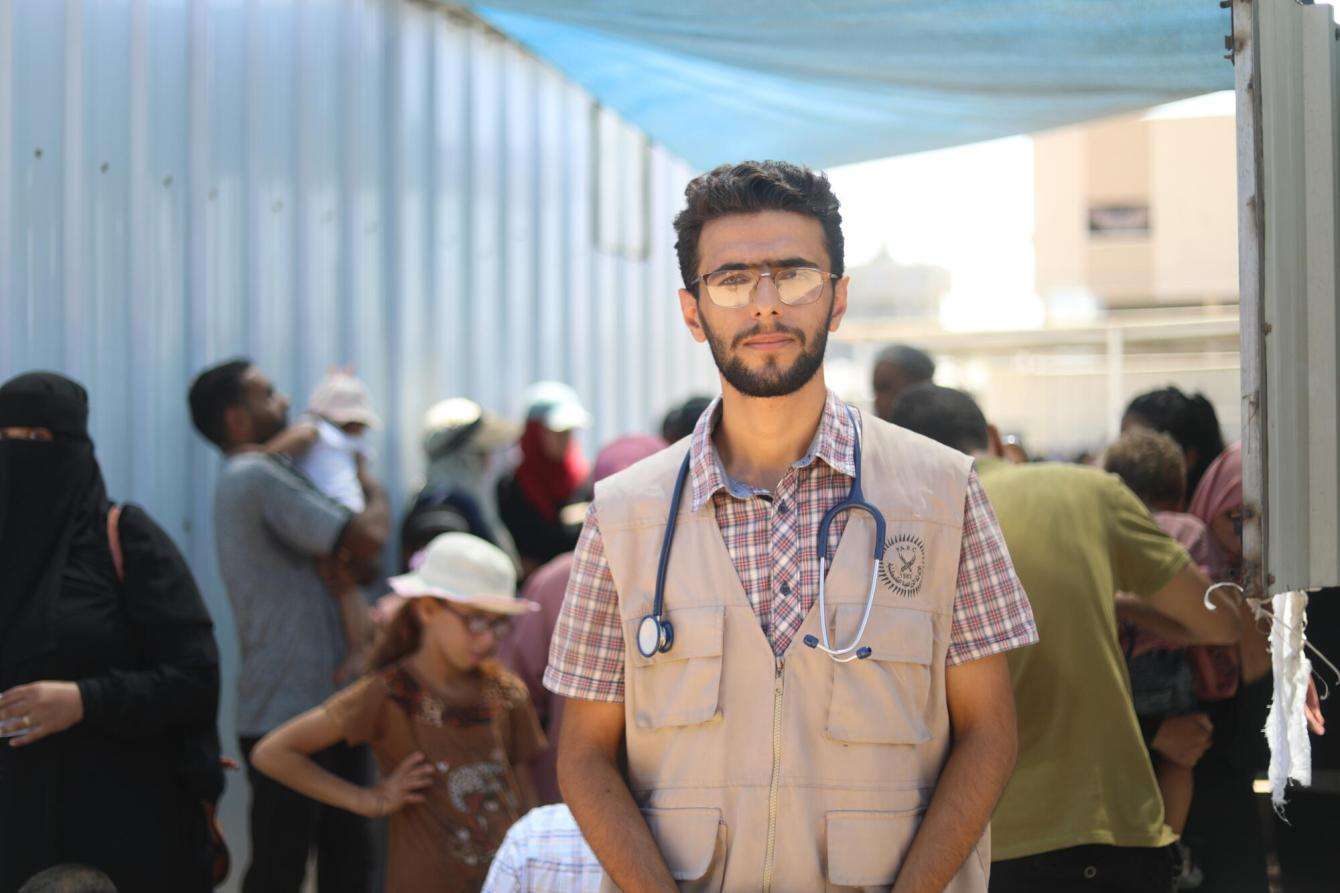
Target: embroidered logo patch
[(904, 564)]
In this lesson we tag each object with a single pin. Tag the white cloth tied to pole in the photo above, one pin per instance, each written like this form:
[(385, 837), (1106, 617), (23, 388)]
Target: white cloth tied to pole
[(1286, 724)]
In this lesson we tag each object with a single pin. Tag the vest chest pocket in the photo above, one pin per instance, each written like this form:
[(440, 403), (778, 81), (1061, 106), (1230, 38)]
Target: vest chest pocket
[(881, 700), (682, 686)]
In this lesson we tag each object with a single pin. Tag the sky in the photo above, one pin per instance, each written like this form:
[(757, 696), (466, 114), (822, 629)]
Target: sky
[(968, 209)]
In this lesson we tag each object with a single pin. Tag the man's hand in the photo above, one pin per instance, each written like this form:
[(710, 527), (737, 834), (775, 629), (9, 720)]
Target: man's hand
[(336, 571), (1183, 739), (31, 712), (1312, 707)]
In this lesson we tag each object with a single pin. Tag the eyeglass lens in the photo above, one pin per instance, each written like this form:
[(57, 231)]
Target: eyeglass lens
[(734, 288)]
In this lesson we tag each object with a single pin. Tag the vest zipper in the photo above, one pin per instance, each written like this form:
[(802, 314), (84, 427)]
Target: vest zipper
[(771, 851)]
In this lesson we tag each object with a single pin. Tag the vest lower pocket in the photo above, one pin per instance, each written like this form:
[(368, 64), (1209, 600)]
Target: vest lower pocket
[(682, 686), (693, 844), (866, 848), (881, 699)]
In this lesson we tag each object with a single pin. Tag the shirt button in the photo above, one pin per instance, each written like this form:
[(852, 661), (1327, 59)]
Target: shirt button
[(785, 588), (783, 506), (1090, 872)]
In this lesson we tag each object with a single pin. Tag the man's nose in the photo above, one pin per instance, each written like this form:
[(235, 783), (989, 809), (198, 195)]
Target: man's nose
[(766, 298)]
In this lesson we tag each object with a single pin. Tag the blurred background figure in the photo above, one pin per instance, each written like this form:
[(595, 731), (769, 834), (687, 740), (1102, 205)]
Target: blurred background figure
[(454, 732), (1083, 802), (1189, 420), (897, 368), (526, 650), (341, 411), (680, 420), (69, 878), (532, 496), (109, 673), (1012, 449), (289, 556), (1151, 465), (461, 440)]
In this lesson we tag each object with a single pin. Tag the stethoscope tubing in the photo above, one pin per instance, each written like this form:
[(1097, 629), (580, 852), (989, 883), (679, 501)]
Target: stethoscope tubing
[(656, 633)]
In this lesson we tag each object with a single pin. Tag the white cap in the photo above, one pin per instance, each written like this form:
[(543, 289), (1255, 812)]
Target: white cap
[(465, 570), (342, 399), (556, 406)]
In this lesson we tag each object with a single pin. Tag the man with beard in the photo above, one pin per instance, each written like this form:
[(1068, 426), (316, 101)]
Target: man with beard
[(273, 528), (753, 761)]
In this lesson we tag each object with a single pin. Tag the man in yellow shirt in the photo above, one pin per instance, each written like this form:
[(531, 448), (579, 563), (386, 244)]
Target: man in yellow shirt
[(1082, 810)]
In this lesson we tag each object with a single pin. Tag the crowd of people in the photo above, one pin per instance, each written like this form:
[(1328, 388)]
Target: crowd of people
[(1033, 649)]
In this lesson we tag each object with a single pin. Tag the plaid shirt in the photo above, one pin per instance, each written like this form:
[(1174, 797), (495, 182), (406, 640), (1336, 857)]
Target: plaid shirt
[(544, 853), (770, 539)]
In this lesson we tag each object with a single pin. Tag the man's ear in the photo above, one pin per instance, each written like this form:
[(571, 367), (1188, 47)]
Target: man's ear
[(237, 424), (994, 446), (688, 306), (839, 303)]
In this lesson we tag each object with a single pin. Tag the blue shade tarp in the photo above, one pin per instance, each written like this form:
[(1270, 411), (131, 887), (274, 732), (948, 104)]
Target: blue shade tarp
[(832, 83)]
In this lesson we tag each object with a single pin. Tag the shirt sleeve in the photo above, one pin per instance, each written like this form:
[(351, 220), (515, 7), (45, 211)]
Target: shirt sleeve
[(991, 609), (298, 514), (357, 710), (1144, 557), (587, 651)]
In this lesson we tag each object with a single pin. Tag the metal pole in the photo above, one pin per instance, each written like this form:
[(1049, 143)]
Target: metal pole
[(1116, 387), (1251, 250)]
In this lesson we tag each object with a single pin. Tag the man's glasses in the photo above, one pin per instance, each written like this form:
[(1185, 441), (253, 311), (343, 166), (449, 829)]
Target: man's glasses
[(735, 288), (478, 624)]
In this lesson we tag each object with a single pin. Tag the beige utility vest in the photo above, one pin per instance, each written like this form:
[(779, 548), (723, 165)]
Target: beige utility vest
[(799, 773)]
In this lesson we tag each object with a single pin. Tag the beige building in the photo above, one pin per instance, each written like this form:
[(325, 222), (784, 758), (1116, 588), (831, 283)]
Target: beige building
[(1135, 242), (1139, 211), (886, 289)]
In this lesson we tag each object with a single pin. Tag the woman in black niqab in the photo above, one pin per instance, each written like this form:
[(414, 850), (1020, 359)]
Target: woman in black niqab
[(109, 681), (51, 494)]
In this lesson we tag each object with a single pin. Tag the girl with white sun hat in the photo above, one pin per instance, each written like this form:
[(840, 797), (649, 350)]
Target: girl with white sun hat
[(454, 732)]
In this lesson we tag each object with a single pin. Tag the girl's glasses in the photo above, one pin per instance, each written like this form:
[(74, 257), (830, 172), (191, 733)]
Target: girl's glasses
[(478, 624)]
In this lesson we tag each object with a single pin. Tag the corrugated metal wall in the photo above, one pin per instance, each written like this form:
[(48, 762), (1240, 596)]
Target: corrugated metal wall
[(384, 184), (1300, 117)]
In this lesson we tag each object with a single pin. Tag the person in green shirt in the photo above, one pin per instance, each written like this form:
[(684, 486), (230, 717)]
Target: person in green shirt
[(1082, 810)]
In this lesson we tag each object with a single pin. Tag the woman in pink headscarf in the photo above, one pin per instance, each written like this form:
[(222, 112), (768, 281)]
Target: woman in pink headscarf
[(1218, 502), (1223, 828)]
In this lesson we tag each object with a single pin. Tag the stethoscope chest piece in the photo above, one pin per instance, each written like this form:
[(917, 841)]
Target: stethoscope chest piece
[(654, 635)]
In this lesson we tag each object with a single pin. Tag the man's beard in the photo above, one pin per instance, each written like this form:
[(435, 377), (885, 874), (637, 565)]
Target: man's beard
[(769, 381)]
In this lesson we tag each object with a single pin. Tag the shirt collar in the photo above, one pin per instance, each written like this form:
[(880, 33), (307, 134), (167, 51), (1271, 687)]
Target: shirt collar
[(834, 442)]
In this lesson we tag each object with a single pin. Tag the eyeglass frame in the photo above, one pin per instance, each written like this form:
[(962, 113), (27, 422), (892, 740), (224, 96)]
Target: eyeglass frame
[(771, 271), (499, 625)]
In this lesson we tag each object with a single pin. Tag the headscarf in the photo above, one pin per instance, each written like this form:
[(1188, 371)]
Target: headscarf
[(624, 452), (52, 499), (1216, 668), (1219, 491), (548, 483), (458, 463)]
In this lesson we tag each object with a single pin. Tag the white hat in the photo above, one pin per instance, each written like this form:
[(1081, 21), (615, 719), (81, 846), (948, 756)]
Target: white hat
[(343, 399), (452, 423), (466, 570), (556, 406)]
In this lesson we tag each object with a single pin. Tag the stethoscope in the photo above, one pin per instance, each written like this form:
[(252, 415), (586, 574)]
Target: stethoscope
[(656, 635)]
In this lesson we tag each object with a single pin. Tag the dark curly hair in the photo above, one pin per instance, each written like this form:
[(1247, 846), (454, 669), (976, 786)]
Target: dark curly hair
[(749, 187), (1151, 465), (1189, 420)]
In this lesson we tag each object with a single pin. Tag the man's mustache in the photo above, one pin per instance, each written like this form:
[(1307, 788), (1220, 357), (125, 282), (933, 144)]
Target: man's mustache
[(755, 331)]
